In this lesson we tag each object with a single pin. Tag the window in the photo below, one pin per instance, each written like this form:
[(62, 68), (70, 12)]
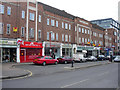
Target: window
[(88, 31), (66, 38), (32, 16), (8, 28), (31, 33), (52, 22), (82, 30), (79, 29), (22, 31), (48, 21), (39, 33), (8, 10), (39, 18), (85, 31), (88, 40), (62, 25), (66, 26), (1, 9), (115, 33), (1, 28), (47, 35), (101, 35), (69, 27), (62, 37), (75, 28), (57, 36), (82, 40), (69, 38), (79, 40), (52, 36), (85, 40), (56, 23), (23, 14)]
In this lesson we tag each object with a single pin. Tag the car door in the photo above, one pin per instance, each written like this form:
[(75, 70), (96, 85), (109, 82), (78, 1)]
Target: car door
[(51, 60), (47, 60)]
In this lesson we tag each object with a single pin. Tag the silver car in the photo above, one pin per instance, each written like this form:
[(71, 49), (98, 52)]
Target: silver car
[(117, 59), (92, 58)]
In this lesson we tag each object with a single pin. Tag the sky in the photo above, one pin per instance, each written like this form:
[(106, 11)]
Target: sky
[(87, 9)]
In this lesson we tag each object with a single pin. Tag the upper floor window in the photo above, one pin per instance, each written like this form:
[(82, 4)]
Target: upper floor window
[(75, 28), (82, 30), (22, 31), (8, 10), (1, 28), (52, 36), (56, 23), (62, 37), (48, 21), (47, 35), (52, 22), (88, 31), (39, 18), (31, 33), (23, 14), (85, 31), (79, 39), (101, 35), (62, 24), (32, 16), (66, 26), (66, 38), (1, 9), (115, 33), (57, 36), (69, 27), (79, 29), (39, 33), (82, 40), (8, 28), (69, 38)]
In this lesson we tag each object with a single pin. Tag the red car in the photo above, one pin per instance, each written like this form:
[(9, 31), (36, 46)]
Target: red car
[(65, 59), (45, 60)]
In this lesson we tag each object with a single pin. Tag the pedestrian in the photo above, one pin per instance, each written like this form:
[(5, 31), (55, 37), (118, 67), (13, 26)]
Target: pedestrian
[(111, 57), (53, 56)]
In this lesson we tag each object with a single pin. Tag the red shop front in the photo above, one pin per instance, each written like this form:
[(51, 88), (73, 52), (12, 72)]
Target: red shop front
[(29, 51)]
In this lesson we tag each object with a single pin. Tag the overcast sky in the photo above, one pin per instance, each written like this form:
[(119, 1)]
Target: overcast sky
[(87, 9)]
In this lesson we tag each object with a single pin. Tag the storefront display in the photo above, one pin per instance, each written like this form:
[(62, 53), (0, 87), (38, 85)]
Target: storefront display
[(29, 51)]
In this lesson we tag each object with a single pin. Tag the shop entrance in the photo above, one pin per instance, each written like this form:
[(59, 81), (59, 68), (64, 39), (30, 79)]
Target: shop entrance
[(23, 55), (9, 55)]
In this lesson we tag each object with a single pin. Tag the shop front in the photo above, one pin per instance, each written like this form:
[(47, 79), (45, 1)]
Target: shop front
[(51, 48), (67, 50), (8, 48), (29, 51)]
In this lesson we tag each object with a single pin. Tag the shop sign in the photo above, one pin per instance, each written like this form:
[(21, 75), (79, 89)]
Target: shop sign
[(52, 45), (25, 44), (67, 46), (14, 29), (8, 42), (85, 48)]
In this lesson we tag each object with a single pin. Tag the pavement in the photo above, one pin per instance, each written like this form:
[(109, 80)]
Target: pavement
[(10, 71)]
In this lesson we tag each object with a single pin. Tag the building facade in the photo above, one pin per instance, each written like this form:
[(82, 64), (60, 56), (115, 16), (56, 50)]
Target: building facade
[(27, 25), (111, 34)]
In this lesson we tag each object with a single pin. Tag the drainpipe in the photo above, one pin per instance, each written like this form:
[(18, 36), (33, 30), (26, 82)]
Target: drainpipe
[(36, 35), (27, 20)]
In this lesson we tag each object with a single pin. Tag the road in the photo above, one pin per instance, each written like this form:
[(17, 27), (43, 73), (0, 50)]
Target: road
[(105, 76)]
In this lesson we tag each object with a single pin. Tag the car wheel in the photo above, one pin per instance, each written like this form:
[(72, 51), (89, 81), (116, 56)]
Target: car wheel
[(44, 63), (56, 63), (65, 62)]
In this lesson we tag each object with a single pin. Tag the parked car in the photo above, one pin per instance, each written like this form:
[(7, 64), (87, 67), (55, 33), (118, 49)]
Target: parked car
[(116, 59), (107, 57), (92, 58), (65, 59), (79, 58), (101, 57), (45, 60)]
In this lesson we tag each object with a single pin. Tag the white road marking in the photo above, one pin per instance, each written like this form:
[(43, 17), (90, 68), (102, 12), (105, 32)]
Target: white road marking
[(74, 83), (103, 73)]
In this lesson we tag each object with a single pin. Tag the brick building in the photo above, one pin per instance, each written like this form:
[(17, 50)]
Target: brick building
[(34, 23)]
